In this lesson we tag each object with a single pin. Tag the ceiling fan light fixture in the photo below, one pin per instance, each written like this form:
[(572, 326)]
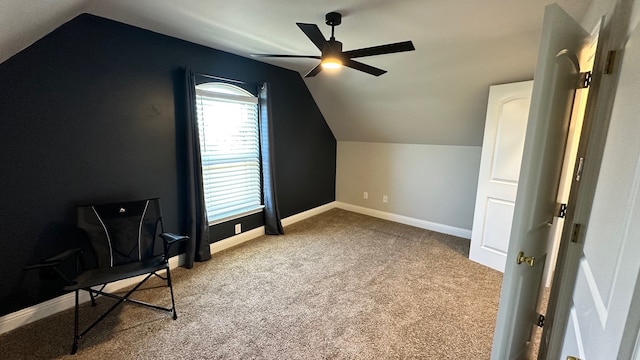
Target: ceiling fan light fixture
[(332, 57), (331, 62)]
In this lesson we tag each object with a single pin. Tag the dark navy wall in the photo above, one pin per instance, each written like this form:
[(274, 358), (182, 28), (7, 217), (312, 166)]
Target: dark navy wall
[(92, 113)]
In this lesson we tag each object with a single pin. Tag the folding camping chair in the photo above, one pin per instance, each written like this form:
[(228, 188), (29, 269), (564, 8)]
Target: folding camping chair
[(123, 238)]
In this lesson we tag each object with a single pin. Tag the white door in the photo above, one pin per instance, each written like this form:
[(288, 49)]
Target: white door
[(601, 324), (504, 132), (555, 81)]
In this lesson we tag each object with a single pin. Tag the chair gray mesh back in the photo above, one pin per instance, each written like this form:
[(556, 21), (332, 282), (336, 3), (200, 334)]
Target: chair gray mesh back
[(121, 233)]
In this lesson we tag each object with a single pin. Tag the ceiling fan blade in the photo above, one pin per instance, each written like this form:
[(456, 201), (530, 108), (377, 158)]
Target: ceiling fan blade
[(363, 67), (314, 34), (314, 71), (380, 50), (287, 56)]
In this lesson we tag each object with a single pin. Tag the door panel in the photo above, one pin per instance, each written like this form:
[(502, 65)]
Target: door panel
[(495, 228), (555, 81), (511, 129), (503, 143), (573, 345)]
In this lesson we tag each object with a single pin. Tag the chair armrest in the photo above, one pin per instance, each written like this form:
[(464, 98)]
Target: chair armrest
[(54, 260), (170, 238)]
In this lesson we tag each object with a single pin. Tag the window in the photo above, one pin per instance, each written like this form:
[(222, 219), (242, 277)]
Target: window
[(230, 150)]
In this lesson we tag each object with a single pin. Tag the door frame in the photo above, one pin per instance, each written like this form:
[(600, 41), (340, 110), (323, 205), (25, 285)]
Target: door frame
[(562, 42), (591, 149)]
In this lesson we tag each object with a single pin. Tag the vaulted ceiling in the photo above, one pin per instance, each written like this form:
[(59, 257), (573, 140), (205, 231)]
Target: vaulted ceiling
[(434, 95)]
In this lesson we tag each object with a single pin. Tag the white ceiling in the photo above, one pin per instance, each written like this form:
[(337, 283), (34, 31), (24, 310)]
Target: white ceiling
[(434, 95)]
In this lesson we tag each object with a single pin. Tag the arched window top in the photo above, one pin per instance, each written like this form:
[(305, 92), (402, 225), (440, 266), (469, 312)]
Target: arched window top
[(229, 137), (221, 90)]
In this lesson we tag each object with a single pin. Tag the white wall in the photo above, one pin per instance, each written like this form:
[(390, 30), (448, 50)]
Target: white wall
[(432, 183)]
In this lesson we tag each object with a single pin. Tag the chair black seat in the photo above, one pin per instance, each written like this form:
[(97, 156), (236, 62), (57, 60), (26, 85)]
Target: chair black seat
[(102, 276), (123, 239)]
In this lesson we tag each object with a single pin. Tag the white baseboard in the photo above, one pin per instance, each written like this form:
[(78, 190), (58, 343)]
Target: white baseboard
[(67, 301), (236, 240), (64, 302), (428, 225), (307, 214), (257, 232)]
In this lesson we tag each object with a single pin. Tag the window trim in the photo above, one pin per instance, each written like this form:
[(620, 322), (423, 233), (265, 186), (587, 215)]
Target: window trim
[(229, 97), (249, 98), (248, 212)]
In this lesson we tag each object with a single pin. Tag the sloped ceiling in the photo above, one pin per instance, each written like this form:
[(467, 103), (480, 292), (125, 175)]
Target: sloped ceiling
[(434, 95)]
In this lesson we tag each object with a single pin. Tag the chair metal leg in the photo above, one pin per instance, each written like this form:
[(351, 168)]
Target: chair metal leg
[(74, 347), (77, 335), (173, 304), (93, 298)]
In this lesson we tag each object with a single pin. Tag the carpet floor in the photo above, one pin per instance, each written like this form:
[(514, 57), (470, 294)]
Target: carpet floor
[(339, 285)]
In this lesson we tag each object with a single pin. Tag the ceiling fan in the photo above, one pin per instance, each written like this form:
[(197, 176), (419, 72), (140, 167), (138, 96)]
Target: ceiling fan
[(332, 54)]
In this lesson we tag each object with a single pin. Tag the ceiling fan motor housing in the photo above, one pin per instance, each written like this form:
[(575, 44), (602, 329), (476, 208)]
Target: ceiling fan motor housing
[(333, 19), (333, 47)]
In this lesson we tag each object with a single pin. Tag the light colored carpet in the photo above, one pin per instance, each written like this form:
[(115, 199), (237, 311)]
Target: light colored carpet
[(339, 285)]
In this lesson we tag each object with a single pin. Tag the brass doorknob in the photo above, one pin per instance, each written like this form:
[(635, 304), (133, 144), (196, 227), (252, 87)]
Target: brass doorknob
[(525, 259)]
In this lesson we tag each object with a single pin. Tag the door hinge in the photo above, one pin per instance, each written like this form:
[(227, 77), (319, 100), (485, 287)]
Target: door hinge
[(611, 59), (575, 233), (585, 80), (579, 169), (561, 210), (540, 322)]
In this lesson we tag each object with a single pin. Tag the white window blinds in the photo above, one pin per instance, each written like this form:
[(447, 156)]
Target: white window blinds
[(230, 150)]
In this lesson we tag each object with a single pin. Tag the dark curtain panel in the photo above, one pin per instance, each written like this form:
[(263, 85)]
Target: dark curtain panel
[(197, 222), (272, 223)]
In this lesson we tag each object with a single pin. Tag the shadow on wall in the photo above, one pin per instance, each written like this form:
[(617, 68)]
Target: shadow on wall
[(41, 282)]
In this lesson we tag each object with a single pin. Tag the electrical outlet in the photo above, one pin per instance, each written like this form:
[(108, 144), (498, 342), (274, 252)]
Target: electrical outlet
[(385, 198), (365, 195), (238, 228)]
